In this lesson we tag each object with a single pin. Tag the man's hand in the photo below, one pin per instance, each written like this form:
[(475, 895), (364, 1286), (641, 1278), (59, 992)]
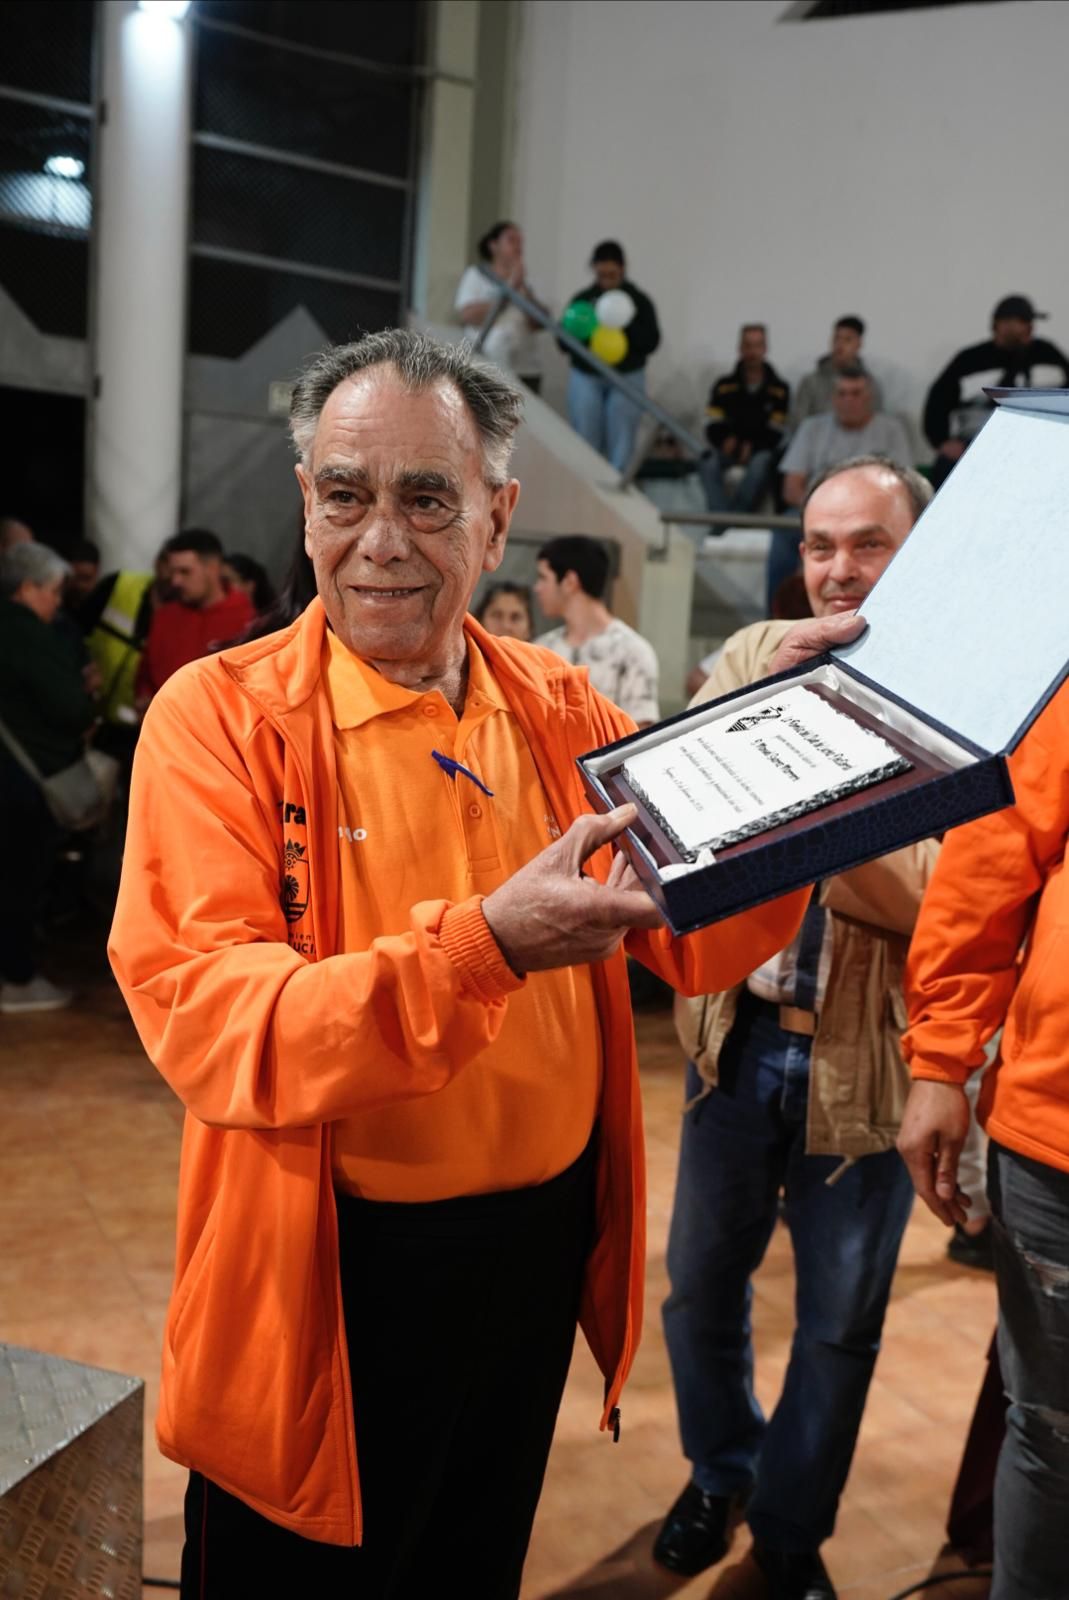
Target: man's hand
[(815, 635), (953, 449), (548, 915), (933, 1131)]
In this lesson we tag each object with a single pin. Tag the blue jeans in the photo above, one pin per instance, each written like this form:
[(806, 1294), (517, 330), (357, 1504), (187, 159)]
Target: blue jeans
[(1030, 1217), (749, 490), (741, 1145), (604, 417)]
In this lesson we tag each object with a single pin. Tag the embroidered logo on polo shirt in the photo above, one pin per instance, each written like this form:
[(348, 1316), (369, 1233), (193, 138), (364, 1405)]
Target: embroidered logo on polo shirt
[(295, 881)]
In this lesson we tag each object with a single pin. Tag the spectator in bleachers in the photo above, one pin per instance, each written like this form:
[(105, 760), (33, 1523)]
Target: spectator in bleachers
[(853, 427), (505, 610), (957, 407), (573, 572), (745, 421), (46, 711), (250, 577), (817, 388), (604, 417), (203, 611), (512, 342)]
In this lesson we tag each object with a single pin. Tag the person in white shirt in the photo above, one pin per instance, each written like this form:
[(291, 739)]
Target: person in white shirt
[(853, 427), (512, 342), (572, 574)]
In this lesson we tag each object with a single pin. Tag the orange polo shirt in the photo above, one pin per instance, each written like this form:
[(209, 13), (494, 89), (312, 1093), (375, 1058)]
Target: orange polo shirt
[(524, 1109)]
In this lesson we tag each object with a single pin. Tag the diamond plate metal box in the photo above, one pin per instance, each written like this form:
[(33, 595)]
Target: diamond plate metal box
[(70, 1479)]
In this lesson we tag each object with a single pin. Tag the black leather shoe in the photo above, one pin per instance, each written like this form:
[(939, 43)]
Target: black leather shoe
[(972, 1249), (794, 1574), (697, 1531)]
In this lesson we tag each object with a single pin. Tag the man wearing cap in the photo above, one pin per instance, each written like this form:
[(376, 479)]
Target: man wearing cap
[(957, 408)]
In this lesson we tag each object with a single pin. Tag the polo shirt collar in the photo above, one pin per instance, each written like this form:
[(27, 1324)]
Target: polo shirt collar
[(357, 692)]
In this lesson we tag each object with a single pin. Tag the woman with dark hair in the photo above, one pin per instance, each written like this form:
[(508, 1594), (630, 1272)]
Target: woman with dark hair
[(242, 572), (505, 610), (512, 341), (297, 591)]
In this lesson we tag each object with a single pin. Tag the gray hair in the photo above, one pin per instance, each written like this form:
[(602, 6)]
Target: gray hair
[(419, 361), (29, 563), (915, 485)]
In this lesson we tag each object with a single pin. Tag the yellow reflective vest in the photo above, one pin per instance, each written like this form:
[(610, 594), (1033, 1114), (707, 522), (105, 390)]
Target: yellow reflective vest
[(115, 647)]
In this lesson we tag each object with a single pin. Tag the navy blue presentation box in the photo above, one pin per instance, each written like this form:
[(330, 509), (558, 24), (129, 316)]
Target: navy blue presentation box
[(967, 642)]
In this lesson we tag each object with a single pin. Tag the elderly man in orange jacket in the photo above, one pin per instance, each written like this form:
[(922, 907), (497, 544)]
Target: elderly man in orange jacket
[(990, 950), (370, 933)]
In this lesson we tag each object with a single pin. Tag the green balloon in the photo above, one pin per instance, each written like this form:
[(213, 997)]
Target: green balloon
[(579, 319)]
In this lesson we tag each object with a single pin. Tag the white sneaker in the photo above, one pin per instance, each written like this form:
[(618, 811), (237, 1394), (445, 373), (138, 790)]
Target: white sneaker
[(37, 995)]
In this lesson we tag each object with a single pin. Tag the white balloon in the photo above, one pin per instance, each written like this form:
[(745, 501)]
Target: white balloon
[(615, 308)]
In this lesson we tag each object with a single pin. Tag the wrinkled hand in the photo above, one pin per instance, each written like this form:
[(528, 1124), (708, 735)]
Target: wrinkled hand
[(934, 1127), (815, 635), (548, 915)]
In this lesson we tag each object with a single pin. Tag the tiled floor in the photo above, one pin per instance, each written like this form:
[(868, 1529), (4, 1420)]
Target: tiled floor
[(88, 1162)]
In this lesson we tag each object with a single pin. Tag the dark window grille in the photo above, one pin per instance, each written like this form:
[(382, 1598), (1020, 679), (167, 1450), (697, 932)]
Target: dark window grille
[(45, 216), (312, 218), (386, 31), (48, 48), (265, 94), (305, 118), (233, 305)]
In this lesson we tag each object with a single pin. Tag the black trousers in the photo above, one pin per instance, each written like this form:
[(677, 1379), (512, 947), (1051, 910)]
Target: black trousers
[(460, 1318)]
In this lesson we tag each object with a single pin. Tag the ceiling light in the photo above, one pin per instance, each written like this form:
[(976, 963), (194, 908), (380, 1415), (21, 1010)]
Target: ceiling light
[(64, 167), (166, 8)]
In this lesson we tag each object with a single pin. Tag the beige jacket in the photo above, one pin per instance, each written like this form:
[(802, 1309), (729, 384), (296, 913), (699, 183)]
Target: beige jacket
[(858, 1079)]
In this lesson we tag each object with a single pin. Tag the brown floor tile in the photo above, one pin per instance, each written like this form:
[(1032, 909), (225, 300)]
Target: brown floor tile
[(89, 1140)]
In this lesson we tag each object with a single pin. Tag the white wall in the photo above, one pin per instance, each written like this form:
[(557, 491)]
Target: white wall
[(908, 167)]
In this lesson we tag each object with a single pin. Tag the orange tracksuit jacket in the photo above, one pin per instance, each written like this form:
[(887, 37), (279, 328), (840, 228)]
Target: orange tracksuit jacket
[(269, 1034), (992, 943)]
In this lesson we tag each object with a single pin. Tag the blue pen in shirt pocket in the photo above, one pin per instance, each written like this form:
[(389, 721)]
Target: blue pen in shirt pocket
[(452, 767)]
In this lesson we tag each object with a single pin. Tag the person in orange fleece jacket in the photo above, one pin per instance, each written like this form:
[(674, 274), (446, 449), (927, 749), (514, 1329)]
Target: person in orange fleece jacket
[(371, 934), (989, 951)]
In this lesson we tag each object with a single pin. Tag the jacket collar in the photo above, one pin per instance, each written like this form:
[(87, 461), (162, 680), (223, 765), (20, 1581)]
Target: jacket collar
[(282, 671)]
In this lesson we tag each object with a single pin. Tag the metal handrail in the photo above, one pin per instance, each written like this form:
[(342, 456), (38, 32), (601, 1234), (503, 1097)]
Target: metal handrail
[(719, 521), (507, 294)]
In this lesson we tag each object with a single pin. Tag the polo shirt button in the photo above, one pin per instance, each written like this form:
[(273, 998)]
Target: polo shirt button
[(475, 810), (430, 710)]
